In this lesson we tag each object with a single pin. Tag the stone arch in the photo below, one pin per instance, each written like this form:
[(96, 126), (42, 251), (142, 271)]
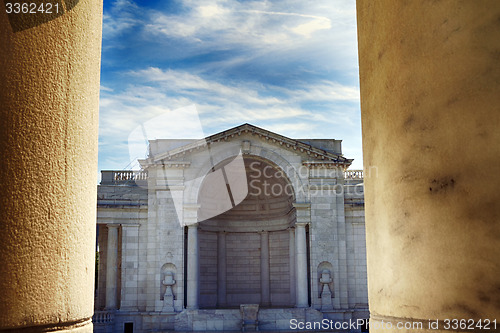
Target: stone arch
[(233, 150), (251, 238)]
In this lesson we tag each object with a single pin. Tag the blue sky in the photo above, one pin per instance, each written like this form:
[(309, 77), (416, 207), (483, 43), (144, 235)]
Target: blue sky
[(287, 66)]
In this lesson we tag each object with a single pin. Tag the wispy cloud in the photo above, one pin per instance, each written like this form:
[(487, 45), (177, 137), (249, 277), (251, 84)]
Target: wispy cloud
[(221, 104), (123, 16), (290, 67), (264, 26)]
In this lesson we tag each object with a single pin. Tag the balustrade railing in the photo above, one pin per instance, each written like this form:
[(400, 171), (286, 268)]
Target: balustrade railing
[(353, 174), (123, 176), (103, 317), (129, 175)]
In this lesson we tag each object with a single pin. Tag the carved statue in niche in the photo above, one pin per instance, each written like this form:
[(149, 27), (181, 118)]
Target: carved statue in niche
[(326, 293), (168, 298)]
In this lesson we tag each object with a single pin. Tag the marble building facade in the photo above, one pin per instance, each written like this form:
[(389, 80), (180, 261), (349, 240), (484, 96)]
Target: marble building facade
[(245, 229)]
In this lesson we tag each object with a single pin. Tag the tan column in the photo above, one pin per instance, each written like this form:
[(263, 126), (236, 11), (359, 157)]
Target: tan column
[(49, 92), (112, 267), (430, 96)]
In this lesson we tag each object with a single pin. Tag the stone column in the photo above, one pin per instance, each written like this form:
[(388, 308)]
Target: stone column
[(301, 255), (430, 95), (221, 269), (129, 267), (112, 267), (303, 218), (49, 97), (291, 249), (264, 269), (193, 265)]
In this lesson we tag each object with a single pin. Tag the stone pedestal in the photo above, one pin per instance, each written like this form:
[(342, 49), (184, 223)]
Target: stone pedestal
[(168, 297), (249, 315), (326, 294)]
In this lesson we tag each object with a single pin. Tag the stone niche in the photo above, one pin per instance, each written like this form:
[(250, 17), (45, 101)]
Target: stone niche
[(168, 289), (325, 285)]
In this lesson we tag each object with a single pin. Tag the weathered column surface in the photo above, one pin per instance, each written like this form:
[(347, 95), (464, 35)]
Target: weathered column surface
[(301, 256), (112, 267), (192, 267), (49, 92), (430, 96)]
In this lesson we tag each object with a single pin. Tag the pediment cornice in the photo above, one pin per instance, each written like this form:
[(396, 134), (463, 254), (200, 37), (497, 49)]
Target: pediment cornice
[(287, 143)]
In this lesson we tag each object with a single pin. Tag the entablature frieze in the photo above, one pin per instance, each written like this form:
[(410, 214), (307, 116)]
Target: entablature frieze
[(117, 223), (323, 164), (154, 163), (159, 188)]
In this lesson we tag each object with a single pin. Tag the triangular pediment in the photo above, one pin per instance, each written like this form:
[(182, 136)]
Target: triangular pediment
[(315, 154)]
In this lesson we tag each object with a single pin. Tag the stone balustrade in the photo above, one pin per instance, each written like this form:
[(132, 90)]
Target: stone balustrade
[(115, 177), (124, 176), (103, 317), (353, 174)]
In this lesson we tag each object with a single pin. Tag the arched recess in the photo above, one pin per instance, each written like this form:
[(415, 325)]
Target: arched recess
[(232, 150), (245, 251), (325, 267)]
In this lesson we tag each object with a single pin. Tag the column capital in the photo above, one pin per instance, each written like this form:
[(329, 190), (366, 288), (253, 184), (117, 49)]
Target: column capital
[(303, 212), (301, 224), (191, 206), (113, 225), (301, 205), (190, 214)]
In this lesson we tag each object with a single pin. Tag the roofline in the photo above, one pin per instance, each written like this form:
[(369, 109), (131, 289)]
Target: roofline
[(249, 128)]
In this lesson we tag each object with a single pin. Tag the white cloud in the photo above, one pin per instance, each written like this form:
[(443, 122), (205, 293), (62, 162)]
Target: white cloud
[(211, 11), (306, 29), (123, 16), (194, 85), (104, 88), (157, 91), (251, 24), (260, 36)]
